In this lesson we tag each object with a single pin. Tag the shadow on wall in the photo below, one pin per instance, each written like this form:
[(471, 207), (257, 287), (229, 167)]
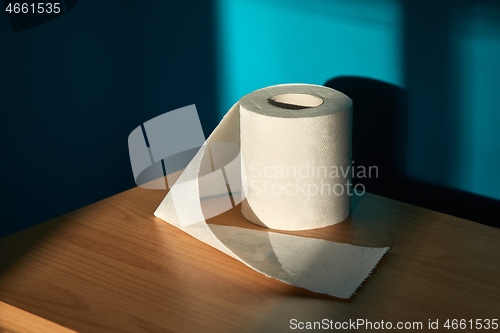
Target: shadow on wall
[(379, 139), (451, 53), (73, 88)]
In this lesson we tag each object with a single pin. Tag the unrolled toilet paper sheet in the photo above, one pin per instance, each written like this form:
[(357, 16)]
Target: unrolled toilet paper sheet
[(318, 136)]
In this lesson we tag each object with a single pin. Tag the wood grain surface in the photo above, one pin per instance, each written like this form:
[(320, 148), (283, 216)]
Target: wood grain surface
[(113, 267)]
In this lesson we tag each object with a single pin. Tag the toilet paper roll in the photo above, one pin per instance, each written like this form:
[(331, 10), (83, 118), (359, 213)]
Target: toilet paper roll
[(296, 150), (261, 141)]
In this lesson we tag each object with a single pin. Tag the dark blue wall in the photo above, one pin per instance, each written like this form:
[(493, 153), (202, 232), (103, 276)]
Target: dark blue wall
[(72, 89)]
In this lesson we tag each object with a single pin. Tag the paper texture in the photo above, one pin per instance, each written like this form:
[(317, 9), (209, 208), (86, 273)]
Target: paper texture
[(285, 151), (297, 162)]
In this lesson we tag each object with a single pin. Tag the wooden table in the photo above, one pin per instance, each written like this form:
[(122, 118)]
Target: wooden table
[(113, 267)]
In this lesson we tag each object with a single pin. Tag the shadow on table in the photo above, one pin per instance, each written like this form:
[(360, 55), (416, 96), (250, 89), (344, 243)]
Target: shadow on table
[(379, 139), (19, 245)]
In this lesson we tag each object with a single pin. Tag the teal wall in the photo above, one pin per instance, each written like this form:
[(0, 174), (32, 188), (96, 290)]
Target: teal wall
[(476, 45), (445, 54), (271, 42)]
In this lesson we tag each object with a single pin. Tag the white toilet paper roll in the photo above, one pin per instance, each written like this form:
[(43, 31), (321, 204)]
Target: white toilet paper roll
[(296, 150), (282, 127)]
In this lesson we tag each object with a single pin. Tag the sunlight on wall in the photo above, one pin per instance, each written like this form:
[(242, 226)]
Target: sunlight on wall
[(270, 42), (478, 46), (452, 135)]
